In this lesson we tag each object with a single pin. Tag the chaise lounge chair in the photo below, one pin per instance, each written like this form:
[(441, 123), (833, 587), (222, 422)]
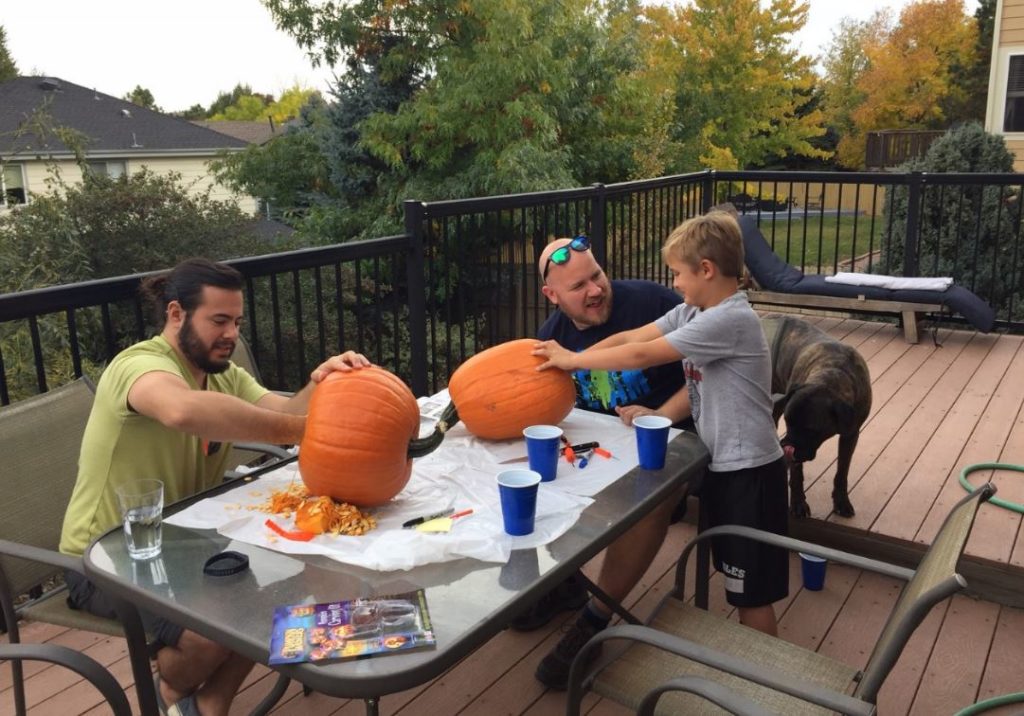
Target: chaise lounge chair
[(782, 284)]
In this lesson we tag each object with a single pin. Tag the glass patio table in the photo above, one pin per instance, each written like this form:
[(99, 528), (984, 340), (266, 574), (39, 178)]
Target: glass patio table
[(469, 600)]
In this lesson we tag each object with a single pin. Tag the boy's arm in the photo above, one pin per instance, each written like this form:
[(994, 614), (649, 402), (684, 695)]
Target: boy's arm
[(629, 356), (642, 334), (676, 408)]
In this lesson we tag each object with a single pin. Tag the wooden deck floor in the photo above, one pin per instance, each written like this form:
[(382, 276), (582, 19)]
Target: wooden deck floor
[(935, 410)]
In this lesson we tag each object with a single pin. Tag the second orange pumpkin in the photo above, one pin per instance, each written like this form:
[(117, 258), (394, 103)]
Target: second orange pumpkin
[(499, 391)]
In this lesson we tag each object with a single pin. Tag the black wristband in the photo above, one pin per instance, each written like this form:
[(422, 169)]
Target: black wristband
[(224, 564)]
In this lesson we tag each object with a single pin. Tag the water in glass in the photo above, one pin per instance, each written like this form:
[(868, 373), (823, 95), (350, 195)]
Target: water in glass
[(143, 531)]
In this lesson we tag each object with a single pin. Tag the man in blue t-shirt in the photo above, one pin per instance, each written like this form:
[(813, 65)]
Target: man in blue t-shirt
[(585, 314)]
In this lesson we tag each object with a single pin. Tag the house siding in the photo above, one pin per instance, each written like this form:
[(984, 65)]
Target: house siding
[(1011, 31), (195, 175), (1009, 35)]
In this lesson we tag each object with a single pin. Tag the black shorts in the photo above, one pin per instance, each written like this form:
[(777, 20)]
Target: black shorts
[(83, 595), (756, 574)]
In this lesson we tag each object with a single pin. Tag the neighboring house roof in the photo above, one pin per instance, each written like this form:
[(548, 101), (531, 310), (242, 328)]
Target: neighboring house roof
[(270, 229), (114, 127), (252, 132)]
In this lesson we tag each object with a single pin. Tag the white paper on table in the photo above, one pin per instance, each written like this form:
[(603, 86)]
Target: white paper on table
[(460, 476)]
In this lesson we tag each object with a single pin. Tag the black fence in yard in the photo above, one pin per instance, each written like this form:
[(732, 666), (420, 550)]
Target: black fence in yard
[(463, 275)]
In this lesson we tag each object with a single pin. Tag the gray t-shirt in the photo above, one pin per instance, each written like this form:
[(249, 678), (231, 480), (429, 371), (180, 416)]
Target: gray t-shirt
[(728, 377)]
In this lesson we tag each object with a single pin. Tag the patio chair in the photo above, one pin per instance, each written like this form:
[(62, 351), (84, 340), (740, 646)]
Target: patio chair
[(84, 666), (41, 438), (249, 453), (681, 640)]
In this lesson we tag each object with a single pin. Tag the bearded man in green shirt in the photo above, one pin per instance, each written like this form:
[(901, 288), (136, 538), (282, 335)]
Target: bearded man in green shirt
[(167, 408)]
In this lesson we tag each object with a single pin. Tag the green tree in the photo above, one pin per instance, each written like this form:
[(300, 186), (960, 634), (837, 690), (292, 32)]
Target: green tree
[(741, 85), (972, 78), (289, 172), (289, 105), (8, 69), (142, 97), (196, 111), (227, 99)]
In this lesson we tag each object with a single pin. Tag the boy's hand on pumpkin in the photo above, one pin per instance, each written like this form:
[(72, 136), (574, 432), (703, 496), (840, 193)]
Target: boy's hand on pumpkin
[(556, 355), (344, 363)]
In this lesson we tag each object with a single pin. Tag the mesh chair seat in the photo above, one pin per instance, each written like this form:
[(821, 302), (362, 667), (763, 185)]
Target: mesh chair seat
[(52, 608), (641, 667), (768, 672)]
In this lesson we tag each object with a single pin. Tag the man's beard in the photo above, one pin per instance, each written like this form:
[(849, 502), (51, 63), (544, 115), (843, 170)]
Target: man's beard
[(198, 352)]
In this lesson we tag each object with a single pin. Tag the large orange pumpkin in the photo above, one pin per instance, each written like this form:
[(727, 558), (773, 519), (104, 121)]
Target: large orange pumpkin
[(499, 391), (361, 436)]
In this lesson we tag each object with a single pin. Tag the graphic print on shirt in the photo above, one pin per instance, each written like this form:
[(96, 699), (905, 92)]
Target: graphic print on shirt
[(693, 378), (606, 389)]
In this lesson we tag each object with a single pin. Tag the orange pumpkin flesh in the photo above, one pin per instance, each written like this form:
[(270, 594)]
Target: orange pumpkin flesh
[(499, 391), (358, 433)]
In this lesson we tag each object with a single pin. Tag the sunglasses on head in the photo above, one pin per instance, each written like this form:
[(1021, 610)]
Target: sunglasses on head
[(561, 255)]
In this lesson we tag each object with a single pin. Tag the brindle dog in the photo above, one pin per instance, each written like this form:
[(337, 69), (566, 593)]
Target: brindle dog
[(823, 388)]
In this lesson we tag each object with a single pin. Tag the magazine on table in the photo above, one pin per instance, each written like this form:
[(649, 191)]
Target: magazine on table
[(351, 628)]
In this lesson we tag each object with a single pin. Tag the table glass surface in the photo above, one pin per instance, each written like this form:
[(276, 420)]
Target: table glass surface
[(469, 600)]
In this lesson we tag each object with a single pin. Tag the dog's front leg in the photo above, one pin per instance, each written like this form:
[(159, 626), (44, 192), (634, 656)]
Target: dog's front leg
[(840, 489), (798, 506)]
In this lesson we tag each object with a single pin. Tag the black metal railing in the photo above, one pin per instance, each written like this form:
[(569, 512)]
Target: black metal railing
[(463, 276)]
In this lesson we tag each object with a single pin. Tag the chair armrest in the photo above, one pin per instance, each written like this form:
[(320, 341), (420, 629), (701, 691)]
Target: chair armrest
[(724, 662), (266, 448), (81, 664), (796, 545), (38, 554), (706, 689)]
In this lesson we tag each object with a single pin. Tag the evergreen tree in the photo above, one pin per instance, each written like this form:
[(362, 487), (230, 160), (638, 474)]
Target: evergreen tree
[(967, 232), (8, 70)]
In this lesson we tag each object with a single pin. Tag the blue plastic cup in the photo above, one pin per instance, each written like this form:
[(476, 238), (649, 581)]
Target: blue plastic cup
[(813, 570), (652, 440), (543, 443), (518, 491)]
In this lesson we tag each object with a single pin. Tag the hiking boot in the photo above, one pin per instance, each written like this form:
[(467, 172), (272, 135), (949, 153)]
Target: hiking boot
[(570, 595), (553, 670)]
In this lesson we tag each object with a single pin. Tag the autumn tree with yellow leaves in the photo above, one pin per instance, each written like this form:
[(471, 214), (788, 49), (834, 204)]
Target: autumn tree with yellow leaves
[(905, 75)]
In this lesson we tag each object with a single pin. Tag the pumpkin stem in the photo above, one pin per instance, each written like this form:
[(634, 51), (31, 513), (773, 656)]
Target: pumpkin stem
[(424, 446)]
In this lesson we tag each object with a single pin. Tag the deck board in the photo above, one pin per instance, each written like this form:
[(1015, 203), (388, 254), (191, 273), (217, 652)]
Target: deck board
[(936, 409)]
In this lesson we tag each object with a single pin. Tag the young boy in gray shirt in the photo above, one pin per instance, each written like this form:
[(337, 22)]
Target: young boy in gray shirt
[(728, 379)]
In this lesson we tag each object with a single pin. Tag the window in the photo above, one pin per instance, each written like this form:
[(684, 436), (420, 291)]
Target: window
[(1013, 113), (13, 185), (112, 169)]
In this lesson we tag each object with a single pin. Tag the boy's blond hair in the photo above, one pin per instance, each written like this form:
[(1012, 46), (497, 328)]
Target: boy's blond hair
[(715, 236)]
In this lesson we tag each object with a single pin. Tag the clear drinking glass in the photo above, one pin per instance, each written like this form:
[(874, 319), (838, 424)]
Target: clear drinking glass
[(142, 507)]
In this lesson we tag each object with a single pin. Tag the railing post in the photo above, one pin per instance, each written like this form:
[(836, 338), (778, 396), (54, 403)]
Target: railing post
[(599, 224), (707, 199), (416, 271), (914, 187)]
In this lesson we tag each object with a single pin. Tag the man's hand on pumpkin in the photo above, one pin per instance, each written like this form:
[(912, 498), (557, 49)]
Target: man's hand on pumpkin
[(556, 355), (344, 363)]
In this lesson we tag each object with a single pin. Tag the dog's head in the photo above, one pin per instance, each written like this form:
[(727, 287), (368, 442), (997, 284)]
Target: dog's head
[(813, 415)]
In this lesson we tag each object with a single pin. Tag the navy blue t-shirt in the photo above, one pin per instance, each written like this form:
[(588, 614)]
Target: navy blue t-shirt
[(634, 304)]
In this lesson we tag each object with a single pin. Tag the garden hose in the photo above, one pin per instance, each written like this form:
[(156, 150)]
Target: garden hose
[(1005, 699), (1005, 504)]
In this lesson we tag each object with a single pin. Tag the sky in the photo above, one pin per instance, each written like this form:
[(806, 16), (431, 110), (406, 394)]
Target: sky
[(186, 52)]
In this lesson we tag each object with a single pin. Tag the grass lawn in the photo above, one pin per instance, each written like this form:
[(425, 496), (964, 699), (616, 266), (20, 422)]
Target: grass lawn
[(819, 243)]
